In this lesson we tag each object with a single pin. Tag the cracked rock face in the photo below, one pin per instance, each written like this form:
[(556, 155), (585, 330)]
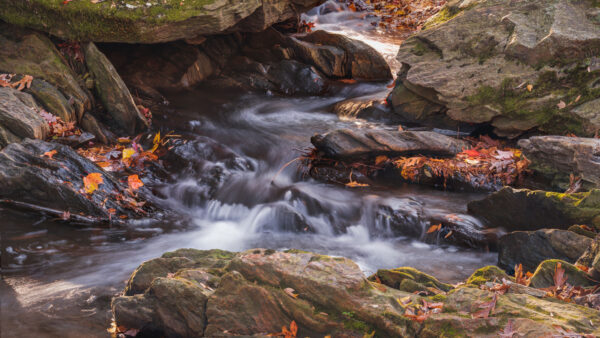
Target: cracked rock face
[(508, 65)]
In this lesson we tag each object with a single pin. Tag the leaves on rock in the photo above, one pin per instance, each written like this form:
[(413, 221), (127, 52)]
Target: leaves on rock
[(91, 182), (134, 182), (486, 308), (6, 80), (49, 154)]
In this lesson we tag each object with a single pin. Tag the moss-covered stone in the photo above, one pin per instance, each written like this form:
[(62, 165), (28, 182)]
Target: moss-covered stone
[(141, 21), (543, 277), (486, 274), (523, 209), (395, 278)]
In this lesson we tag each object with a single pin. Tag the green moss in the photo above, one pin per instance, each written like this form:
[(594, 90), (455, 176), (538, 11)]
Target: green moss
[(84, 20), (487, 274), (578, 229), (446, 14), (196, 255), (438, 298), (396, 277), (515, 103), (269, 252), (296, 251)]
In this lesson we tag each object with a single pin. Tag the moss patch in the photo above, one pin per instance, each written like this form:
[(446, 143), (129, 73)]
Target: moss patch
[(487, 274)]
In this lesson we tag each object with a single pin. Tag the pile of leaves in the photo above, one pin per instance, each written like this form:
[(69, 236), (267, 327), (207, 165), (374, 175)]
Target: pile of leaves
[(396, 15), (487, 165), (14, 81)]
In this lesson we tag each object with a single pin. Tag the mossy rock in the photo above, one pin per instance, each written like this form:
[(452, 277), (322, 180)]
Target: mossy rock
[(395, 278), (543, 276), (490, 273), (523, 209), (141, 21)]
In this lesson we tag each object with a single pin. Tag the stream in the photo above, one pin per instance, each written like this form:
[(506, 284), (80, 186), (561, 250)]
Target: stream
[(58, 280)]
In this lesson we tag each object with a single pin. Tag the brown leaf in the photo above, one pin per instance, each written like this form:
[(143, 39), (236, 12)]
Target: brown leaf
[(486, 308), (290, 292), (559, 276)]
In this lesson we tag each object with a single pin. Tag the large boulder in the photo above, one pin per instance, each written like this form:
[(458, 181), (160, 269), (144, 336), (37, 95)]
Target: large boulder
[(514, 66), (30, 53), (543, 277), (555, 157), (113, 92), (50, 175), (367, 143), (260, 291), (530, 248), (523, 209), (134, 21)]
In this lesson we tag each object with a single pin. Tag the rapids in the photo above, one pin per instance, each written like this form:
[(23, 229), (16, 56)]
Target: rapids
[(57, 280)]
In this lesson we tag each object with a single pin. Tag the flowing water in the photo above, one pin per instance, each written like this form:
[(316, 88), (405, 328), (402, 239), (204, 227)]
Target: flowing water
[(230, 194)]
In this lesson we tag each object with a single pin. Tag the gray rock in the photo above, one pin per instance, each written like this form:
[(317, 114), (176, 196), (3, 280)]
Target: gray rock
[(530, 248), (52, 100), (31, 53), (112, 91), (349, 144), (57, 182), (475, 67), (19, 119), (558, 156)]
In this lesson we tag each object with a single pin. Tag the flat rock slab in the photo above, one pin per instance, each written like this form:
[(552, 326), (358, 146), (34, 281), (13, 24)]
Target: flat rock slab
[(347, 144), (18, 115), (136, 21), (555, 156)]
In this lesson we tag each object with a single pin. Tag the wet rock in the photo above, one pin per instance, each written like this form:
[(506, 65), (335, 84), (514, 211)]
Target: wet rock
[(590, 253), (31, 53), (57, 182), (488, 274), (91, 125), (543, 276), (18, 119), (338, 56), (112, 91), (401, 278), (595, 268), (558, 156), (530, 248), (262, 290), (75, 141), (367, 108), (523, 209), (475, 60), (149, 22), (353, 144)]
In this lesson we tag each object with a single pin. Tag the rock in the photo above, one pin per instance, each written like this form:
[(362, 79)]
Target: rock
[(7, 137), (172, 262), (338, 56), (475, 61), (259, 291), (18, 119), (590, 253), (91, 125), (30, 53), (595, 268), (371, 108), (369, 143), (488, 274), (543, 277), (397, 279), (112, 91), (530, 248), (52, 100), (555, 157), (523, 209), (23, 167), (133, 22)]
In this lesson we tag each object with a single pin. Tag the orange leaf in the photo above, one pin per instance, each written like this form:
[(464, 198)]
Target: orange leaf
[(92, 181), (434, 228), (472, 153), (380, 159), (348, 81), (134, 182), (50, 153)]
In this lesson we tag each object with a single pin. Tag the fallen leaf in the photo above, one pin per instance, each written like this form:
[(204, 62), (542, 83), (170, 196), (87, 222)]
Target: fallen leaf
[(561, 105), (559, 276), (50, 153), (354, 184), (508, 331), (486, 308), (65, 216), (448, 234), (290, 292), (134, 182), (92, 181), (434, 228), (128, 152), (529, 87), (348, 81), (380, 159)]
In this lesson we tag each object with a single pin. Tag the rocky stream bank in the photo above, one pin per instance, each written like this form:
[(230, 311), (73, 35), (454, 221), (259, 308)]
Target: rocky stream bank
[(492, 97)]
